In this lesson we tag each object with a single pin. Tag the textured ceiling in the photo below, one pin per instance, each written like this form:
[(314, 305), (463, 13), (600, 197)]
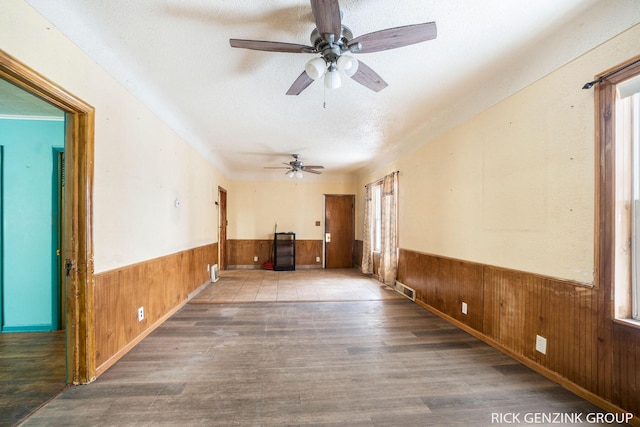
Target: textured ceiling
[(15, 102), (230, 104)]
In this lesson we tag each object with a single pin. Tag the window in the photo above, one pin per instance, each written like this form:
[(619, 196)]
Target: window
[(380, 235), (618, 103), (376, 214), (629, 122)]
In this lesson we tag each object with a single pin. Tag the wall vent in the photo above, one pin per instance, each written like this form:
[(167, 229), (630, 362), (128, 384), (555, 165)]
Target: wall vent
[(405, 290), (214, 273)]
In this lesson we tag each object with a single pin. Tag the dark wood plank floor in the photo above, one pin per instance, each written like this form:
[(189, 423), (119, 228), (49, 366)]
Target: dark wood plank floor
[(32, 371), (359, 363)]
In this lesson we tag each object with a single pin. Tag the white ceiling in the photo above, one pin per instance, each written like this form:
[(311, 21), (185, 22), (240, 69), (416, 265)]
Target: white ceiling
[(230, 104), (16, 103)]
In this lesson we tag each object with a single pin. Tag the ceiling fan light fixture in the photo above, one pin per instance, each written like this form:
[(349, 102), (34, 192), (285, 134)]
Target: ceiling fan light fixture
[(332, 79), (348, 65), (296, 167), (331, 39), (316, 68)]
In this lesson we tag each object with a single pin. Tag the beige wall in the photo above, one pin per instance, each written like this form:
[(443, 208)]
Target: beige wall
[(514, 186), (141, 166), (256, 206)]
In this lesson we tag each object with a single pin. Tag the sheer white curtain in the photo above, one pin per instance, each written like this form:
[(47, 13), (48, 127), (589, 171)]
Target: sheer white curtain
[(380, 224), (389, 230), (367, 252)]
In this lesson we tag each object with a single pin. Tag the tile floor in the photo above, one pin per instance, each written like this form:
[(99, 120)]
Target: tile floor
[(287, 286)]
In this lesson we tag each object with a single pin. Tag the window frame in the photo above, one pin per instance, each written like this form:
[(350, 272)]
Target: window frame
[(611, 270)]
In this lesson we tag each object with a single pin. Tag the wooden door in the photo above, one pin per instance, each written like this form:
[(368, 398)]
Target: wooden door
[(339, 228), (222, 227)]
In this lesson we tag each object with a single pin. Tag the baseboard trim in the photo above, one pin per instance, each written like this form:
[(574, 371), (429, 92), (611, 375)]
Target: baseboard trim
[(198, 290), (259, 267), (27, 328)]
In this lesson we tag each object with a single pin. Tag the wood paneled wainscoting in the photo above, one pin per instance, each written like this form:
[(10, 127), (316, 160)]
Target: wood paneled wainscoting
[(241, 253), (587, 352), (161, 286), (357, 254)]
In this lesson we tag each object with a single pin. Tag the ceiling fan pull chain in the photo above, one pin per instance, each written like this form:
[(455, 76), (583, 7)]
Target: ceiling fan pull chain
[(324, 101)]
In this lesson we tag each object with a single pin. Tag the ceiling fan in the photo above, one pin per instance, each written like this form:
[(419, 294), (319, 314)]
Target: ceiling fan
[(332, 41), (296, 167)]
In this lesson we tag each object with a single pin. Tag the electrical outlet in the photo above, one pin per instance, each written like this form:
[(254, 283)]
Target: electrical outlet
[(541, 344), (208, 267), (317, 259), (140, 314), (255, 259), (464, 307)]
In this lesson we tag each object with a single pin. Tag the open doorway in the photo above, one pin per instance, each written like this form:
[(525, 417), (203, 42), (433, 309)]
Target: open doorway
[(76, 250), (32, 308), (222, 228), (30, 206)]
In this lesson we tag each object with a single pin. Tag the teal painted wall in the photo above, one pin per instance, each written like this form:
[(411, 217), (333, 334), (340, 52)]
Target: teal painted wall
[(28, 223)]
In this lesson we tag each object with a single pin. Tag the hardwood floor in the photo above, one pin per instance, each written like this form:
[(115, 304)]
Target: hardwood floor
[(368, 362), (32, 371)]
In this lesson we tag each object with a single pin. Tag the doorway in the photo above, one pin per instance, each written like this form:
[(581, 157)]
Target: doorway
[(30, 212), (339, 230), (77, 240), (32, 310), (222, 228)]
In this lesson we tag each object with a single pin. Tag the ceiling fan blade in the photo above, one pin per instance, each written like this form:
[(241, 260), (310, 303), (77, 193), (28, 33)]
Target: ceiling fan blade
[(277, 167), (311, 171), (369, 78), (312, 167), (393, 38), (271, 46), (327, 16), (302, 82)]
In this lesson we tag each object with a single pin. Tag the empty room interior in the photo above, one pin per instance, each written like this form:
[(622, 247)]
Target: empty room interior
[(319, 212)]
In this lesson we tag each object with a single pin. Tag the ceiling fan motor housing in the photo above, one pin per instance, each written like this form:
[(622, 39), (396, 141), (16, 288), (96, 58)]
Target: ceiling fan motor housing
[(329, 48), (296, 164)]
